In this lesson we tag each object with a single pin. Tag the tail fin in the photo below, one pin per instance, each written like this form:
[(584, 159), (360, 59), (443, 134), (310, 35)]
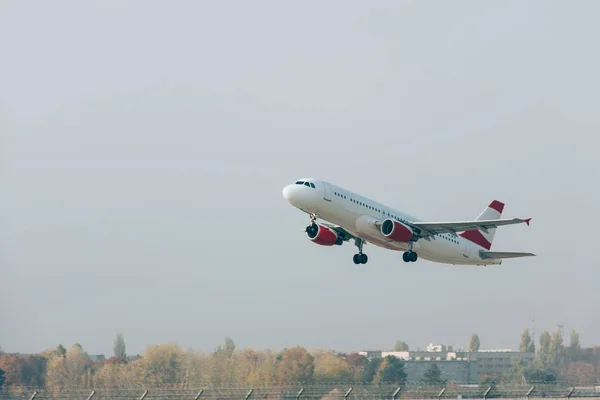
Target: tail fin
[(484, 238)]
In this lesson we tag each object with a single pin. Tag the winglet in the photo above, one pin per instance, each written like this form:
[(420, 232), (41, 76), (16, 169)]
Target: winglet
[(527, 221)]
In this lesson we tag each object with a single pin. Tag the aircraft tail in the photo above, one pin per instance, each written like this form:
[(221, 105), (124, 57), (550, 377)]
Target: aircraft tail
[(485, 237)]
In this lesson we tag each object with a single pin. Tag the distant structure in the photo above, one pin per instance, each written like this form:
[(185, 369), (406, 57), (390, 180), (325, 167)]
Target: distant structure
[(456, 366)]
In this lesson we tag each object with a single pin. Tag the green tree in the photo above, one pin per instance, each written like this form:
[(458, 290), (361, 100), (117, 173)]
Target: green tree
[(391, 370), (516, 372), (119, 347), (527, 343), (370, 369), (2, 378), (557, 350), (574, 346), (60, 351), (543, 356), (474, 343), (227, 349), (540, 376), (401, 346), (433, 375)]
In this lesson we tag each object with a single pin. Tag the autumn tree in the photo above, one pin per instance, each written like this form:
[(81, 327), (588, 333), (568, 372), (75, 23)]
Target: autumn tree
[(331, 368), (119, 375), (161, 365), (68, 370), (295, 365), (356, 363), (254, 368), (119, 349), (401, 346), (581, 373), (474, 343), (527, 343), (391, 370), (433, 375)]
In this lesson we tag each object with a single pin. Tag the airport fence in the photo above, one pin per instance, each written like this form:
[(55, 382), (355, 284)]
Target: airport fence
[(311, 392)]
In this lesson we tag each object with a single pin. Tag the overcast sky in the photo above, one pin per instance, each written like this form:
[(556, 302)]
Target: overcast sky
[(144, 147)]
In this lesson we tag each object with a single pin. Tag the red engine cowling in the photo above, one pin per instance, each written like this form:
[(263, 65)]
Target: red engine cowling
[(322, 235), (396, 231)]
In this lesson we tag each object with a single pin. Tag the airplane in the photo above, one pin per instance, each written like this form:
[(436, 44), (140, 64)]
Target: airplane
[(350, 216)]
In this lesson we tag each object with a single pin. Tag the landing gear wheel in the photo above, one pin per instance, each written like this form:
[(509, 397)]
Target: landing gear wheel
[(409, 256), (360, 258)]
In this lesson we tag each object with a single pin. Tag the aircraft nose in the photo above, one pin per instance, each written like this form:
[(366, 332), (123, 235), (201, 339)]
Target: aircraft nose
[(288, 192)]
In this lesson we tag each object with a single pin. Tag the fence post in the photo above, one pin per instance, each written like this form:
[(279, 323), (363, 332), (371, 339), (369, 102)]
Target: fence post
[(529, 392), (347, 394), (396, 393), (91, 395), (144, 394), (249, 394), (570, 393), (441, 393), (487, 392), (199, 394), (299, 393), (33, 395)]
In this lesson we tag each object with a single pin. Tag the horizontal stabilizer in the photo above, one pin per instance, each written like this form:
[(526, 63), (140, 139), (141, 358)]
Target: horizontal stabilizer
[(503, 254)]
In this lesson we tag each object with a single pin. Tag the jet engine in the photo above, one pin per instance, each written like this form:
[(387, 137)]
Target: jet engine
[(322, 235), (396, 231)]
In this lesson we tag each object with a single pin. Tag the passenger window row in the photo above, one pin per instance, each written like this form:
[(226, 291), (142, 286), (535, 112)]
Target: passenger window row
[(369, 207)]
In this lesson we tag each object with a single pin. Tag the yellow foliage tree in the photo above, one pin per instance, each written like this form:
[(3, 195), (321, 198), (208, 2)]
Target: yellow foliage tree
[(296, 365), (330, 368)]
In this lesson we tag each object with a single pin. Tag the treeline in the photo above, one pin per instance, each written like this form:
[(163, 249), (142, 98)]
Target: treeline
[(169, 365), (553, 361)]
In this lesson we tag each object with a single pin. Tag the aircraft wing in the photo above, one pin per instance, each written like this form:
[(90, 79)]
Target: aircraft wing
[(502, 254), (344, 234), (434, 228)]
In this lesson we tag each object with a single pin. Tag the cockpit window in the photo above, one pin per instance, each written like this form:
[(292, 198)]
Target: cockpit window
[(309, 184)]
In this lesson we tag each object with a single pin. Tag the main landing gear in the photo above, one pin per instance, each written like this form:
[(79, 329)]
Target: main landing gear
[(410, 255), (360, 258)]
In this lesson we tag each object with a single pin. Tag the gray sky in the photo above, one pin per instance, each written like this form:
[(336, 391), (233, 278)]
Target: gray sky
[(144, 147)]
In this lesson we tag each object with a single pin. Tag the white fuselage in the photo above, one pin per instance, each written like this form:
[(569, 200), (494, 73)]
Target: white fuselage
[(358, 214)]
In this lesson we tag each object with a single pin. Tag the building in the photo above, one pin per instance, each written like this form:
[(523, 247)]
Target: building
[(458, 371), (458, 366), (498, 362)]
